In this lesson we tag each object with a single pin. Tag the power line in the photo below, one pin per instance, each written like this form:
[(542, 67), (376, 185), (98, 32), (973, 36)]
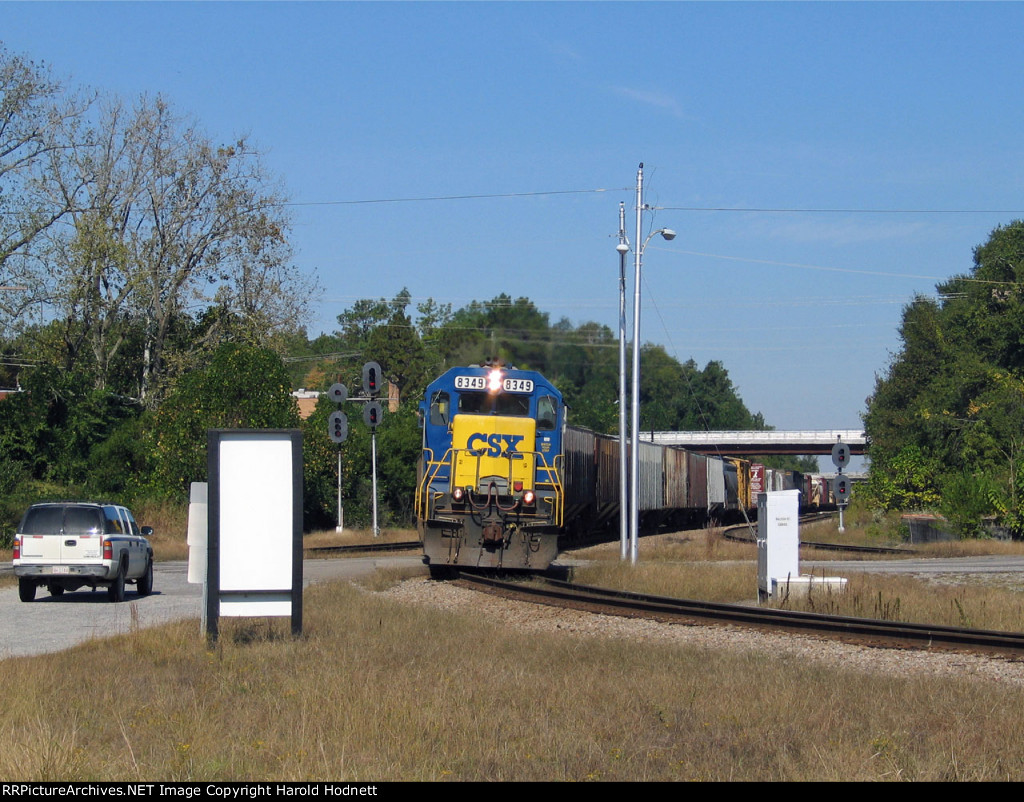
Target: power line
[(750, 209), (453, 197), (827, 269)]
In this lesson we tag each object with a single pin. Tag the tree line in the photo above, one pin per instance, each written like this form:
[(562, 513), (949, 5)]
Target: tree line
[(946, 420), (131, 243), (147, 294), (415, 344), (63, 435)]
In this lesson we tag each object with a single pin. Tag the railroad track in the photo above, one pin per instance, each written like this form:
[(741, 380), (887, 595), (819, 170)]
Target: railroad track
[(741, 533), (406, 545), (863, 631)]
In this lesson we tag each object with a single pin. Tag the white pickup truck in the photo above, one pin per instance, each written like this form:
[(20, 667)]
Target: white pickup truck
[(68, 545)]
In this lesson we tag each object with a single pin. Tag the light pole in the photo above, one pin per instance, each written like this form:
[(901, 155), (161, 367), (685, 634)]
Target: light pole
[(623, 249), (634, 462)]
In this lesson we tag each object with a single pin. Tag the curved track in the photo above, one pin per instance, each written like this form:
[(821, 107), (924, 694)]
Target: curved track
[(864, 631), (749, 535)]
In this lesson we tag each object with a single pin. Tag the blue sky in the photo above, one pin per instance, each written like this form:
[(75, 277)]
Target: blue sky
[(884, 110)]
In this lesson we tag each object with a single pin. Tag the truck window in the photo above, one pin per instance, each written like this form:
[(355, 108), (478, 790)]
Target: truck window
[(82, 521), (43, 521)]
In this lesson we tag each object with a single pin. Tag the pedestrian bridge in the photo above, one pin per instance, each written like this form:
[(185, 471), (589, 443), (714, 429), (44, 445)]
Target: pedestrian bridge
[(761, 443)]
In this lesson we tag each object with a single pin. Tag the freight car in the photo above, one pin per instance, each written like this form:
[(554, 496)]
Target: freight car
[(502, 475)]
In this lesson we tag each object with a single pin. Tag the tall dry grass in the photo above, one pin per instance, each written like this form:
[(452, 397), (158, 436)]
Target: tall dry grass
[(899, 598), (376, 690), (701, 565), (169, 520), (357, 536)]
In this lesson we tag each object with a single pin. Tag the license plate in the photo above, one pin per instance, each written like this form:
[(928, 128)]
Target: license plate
[(61, 569)]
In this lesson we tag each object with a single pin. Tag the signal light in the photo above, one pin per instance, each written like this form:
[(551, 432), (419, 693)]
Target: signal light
[(337, 427), (372, 414), (842, 489), (840, 455), (338, 393), (371, 379)]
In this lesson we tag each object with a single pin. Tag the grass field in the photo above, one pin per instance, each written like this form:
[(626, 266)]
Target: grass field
[(377, 690), (380, 690)]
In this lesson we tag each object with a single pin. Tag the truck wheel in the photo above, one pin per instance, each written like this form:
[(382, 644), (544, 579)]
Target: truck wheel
[(116, 590), (144, 585), (26, 590), (55, 590)]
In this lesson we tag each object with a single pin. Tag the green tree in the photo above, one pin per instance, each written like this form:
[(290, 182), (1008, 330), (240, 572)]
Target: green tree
[(161, 222), (242, 387), (951, 404)]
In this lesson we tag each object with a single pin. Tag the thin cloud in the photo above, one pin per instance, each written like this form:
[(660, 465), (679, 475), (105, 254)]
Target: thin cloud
[(658, 100)]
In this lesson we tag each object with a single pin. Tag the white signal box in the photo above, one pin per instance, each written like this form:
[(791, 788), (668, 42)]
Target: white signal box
[(778, 539)]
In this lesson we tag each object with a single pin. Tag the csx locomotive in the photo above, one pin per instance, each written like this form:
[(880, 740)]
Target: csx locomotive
[(490, 492), (502, 476)]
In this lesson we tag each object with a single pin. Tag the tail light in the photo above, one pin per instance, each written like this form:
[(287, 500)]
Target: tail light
[(108, 550), (17, 548)]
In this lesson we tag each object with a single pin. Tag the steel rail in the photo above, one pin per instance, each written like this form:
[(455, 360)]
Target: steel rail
[(358, 547), (867, 631), (727, 533)]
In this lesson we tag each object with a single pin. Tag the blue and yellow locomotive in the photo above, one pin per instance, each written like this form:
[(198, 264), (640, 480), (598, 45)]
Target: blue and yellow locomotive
[(489, 493), (502, 475)]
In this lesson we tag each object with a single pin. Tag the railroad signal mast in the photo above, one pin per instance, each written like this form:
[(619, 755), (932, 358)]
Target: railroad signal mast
[(373, 413), (337, 430), (841, 484)]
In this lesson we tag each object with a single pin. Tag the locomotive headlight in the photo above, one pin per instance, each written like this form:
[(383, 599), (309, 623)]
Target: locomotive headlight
[(457, 495), (494, 381), (529, 498)]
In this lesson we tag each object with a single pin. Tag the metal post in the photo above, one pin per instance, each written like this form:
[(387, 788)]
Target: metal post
[(623, 249), (341, 510), (373, 444), (634, 463)]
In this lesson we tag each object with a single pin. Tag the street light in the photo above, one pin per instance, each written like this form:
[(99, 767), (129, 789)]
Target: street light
[(623, 249), (634, 462)]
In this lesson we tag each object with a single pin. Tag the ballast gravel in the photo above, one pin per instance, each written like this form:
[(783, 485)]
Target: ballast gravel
[(528, 617)]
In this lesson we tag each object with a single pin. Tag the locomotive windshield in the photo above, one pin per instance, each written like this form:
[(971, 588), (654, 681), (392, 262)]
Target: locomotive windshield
[(494, 404)]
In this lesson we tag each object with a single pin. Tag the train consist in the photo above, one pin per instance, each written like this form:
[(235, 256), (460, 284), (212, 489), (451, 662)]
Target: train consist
[(502, 476)]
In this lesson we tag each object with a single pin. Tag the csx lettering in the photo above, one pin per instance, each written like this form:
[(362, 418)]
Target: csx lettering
[(493, 442)]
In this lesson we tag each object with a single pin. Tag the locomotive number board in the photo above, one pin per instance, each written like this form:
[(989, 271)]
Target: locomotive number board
[(481, 383)]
